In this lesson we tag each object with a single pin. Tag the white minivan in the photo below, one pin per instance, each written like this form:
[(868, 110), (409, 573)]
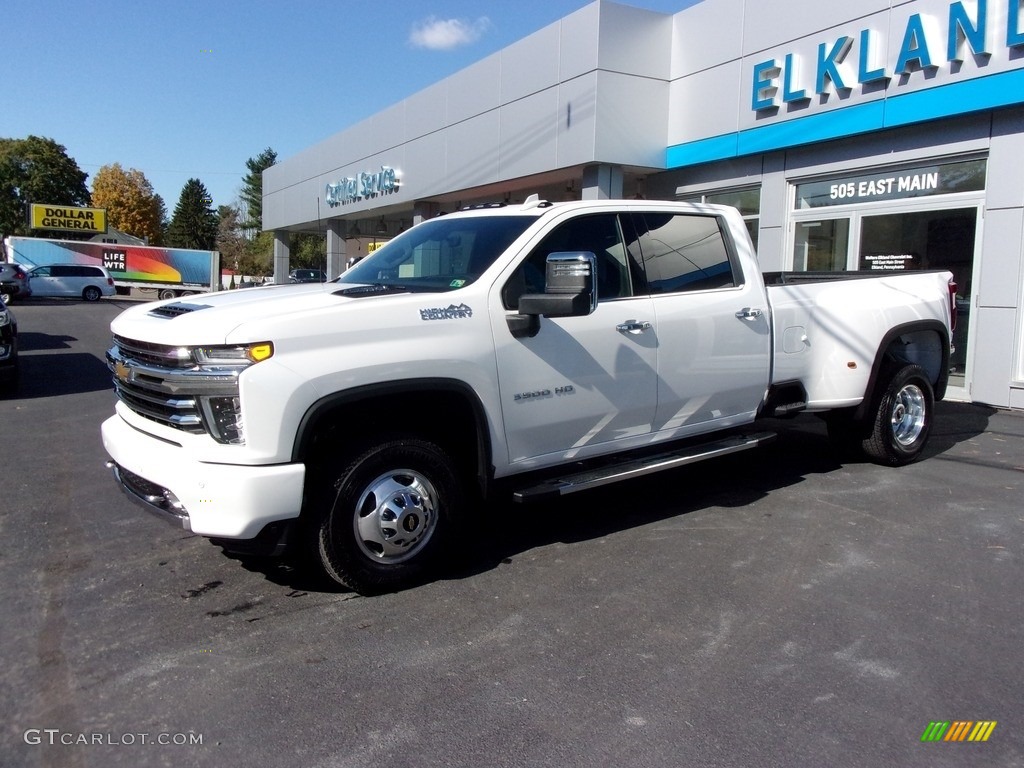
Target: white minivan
[(88, 282)]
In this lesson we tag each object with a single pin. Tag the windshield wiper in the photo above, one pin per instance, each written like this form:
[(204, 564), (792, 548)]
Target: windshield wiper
[(372, 288)]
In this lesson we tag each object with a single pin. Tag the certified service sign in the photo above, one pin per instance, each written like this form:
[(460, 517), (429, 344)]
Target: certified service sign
[(68, 218)]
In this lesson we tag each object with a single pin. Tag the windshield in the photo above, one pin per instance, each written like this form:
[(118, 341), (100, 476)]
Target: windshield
[(440, 254)]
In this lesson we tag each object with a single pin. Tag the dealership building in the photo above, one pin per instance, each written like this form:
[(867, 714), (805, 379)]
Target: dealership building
[(872, 135)]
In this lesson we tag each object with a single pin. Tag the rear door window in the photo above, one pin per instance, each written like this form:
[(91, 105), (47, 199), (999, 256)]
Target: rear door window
[(685, 252)]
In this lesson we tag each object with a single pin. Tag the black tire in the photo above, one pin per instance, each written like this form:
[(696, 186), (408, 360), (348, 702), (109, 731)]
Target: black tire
[(901, 418), (91, 293), (391, 517), (167, 293)]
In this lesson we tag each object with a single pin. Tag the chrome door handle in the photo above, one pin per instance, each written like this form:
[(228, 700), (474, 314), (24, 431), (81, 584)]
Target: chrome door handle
[(748, 313), (633, 326)]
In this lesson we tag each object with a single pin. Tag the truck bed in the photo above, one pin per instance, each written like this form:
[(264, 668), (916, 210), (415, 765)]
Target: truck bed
[(828, 328)]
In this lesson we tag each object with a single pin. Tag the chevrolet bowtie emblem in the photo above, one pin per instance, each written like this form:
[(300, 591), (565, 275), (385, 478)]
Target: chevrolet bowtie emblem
[(123, 372)]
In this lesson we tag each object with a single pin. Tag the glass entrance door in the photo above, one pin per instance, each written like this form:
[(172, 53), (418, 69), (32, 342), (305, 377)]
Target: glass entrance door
[(928, 239)]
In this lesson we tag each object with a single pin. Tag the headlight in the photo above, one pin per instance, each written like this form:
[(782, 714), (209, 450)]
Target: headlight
[(240, 354), (222, 415), (5, 316)]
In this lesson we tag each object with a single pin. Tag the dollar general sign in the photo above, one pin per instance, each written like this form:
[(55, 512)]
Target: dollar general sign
[(68, 218)]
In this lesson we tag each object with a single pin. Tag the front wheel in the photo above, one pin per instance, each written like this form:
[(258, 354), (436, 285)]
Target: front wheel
[(391, 516), (902, 418)]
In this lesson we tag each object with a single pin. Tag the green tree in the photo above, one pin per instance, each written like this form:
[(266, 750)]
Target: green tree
[(258, 258), (132, 205), (252, 188), (230, 242), (194, 224), (308, 251), (36, 170)]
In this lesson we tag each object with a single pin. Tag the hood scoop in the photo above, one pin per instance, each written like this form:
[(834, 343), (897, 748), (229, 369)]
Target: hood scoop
[(177, 308)]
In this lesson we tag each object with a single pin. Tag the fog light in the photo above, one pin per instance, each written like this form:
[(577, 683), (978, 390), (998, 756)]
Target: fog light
[(223, 416)]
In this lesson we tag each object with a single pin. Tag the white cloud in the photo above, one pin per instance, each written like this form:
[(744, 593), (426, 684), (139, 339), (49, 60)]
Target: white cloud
[(444, 34)]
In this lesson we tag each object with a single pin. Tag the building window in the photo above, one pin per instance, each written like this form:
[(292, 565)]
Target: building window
[(747, 201)]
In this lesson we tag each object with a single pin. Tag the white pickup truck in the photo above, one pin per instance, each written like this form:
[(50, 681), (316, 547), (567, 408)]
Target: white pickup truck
[(536, 349)]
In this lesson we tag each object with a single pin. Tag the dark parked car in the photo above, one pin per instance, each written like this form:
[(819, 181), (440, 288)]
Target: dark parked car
[(14, 283), (8, 350), (307, 276)]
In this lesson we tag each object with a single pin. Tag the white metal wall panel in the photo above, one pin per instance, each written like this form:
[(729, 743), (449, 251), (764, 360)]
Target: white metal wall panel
[(1001, 258), (767, 25), (528, 135), (425, 111), (472, 152), (576, 121), (474, 90), (530, 66), (693, 48), (1005, 181), (577, 42), (704, 104), (632, 115), (635, 41)]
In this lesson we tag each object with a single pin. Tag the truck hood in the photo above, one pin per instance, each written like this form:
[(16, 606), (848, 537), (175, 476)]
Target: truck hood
[(211, 318)]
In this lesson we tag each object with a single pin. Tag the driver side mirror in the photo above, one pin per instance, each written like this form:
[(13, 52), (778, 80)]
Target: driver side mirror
[(570, 290)]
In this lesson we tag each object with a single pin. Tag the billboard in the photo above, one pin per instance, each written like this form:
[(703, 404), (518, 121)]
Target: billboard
[(127, 263), (67, 218)]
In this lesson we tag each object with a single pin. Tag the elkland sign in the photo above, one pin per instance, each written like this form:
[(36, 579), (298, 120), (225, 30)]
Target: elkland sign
[(913, 62), (928, 41)]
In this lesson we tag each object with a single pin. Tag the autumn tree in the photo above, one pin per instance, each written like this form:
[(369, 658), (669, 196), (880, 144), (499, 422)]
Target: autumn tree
[(194, 224), (252, 188), (36, 170), (132, 205)]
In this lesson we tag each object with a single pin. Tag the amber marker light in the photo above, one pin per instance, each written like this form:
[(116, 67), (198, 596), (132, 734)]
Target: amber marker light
[(260, 352)]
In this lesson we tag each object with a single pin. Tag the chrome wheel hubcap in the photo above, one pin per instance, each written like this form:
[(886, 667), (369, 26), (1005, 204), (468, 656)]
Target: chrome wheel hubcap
[(396, 516), (908, 414)]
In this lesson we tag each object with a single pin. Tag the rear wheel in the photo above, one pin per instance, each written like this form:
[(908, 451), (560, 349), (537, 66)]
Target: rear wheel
[(166, 293), (901, 418), (91, 293), (390, 517)]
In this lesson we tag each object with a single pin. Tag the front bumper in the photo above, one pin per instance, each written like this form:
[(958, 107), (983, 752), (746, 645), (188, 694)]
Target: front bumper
[(217, 500)]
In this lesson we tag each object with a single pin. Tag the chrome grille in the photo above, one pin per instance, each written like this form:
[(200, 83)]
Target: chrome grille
[(164, 384), (154, 354)]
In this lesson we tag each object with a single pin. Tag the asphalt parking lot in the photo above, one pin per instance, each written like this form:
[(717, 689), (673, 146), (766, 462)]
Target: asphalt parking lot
[(776, 608)]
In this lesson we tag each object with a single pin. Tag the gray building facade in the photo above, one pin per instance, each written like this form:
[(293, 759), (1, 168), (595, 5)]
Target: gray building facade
[(878, 135)]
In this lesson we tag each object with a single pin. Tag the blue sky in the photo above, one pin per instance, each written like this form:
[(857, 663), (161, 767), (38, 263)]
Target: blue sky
[(182, 89)]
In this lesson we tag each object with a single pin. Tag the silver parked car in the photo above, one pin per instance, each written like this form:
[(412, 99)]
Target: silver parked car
[(14, 283), (74, 280)]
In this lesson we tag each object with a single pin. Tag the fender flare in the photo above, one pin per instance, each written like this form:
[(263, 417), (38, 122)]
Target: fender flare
[(917, 326), (349, 397)]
